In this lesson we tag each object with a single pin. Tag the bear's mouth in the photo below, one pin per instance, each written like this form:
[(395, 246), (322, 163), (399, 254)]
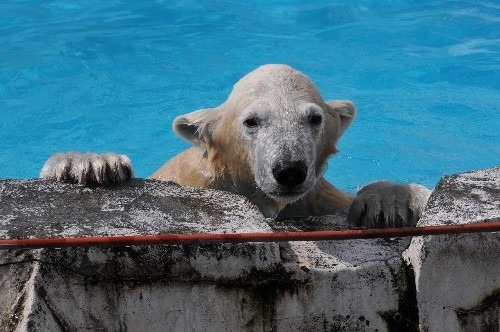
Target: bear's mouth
[(287, 195)]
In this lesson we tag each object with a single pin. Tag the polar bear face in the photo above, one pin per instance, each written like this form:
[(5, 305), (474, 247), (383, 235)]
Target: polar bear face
[(283, 142), (273, 133)]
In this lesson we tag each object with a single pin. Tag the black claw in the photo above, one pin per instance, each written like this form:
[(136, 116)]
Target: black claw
[(399, 221), (410, 213), (380, 221), (357, 215), (362, 215)]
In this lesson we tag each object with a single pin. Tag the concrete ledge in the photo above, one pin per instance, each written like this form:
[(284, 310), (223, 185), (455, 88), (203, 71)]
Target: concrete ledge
[(458, 276), (364, 285)]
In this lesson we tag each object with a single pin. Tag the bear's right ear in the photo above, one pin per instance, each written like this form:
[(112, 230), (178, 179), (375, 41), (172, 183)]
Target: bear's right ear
[(197, 127)]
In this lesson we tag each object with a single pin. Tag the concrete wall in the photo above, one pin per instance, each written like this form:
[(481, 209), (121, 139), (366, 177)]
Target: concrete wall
[(432, 283)]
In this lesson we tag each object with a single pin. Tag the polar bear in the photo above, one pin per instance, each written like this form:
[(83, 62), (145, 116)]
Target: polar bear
[(270, 142)]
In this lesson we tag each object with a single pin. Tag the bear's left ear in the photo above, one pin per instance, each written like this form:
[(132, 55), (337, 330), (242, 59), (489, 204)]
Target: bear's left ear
[(345, 110), (197, 127)]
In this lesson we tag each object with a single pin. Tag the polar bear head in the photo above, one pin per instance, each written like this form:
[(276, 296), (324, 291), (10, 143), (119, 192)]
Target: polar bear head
[(274, 133)]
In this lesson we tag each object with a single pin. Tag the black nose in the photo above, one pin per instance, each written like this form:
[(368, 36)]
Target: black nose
[(290, 174)]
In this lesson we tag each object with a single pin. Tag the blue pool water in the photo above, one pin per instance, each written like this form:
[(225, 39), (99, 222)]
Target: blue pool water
[(112, 75)]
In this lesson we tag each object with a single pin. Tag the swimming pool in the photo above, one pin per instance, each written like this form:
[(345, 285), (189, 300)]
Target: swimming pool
[(112, 75)]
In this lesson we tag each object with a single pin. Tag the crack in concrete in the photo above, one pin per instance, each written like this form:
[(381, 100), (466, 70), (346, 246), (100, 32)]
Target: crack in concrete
[(406, 317)]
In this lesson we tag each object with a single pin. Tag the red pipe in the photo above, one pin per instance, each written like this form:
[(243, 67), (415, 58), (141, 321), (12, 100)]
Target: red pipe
[(348, 234)]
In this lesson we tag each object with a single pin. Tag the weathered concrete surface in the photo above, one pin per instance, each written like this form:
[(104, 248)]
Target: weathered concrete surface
[(42, 209), (351, 285), (458, 276), (126, 288), (309, 286)]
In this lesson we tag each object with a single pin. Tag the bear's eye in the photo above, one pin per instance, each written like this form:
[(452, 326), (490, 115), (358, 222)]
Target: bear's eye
[(315, 119), (250, 123)]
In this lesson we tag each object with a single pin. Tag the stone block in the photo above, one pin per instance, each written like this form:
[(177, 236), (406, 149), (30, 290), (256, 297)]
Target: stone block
[(458, 276)]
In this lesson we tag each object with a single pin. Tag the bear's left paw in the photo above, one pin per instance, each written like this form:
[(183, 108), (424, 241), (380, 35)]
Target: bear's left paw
[(88, 168), (386, 204)]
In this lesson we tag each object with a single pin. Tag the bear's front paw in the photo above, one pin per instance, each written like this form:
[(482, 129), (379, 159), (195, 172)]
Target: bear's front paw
[(385, 204), (88, 168)]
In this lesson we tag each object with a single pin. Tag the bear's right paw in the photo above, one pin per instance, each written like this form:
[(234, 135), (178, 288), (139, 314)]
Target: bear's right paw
[(385, 204), (88, 168)]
